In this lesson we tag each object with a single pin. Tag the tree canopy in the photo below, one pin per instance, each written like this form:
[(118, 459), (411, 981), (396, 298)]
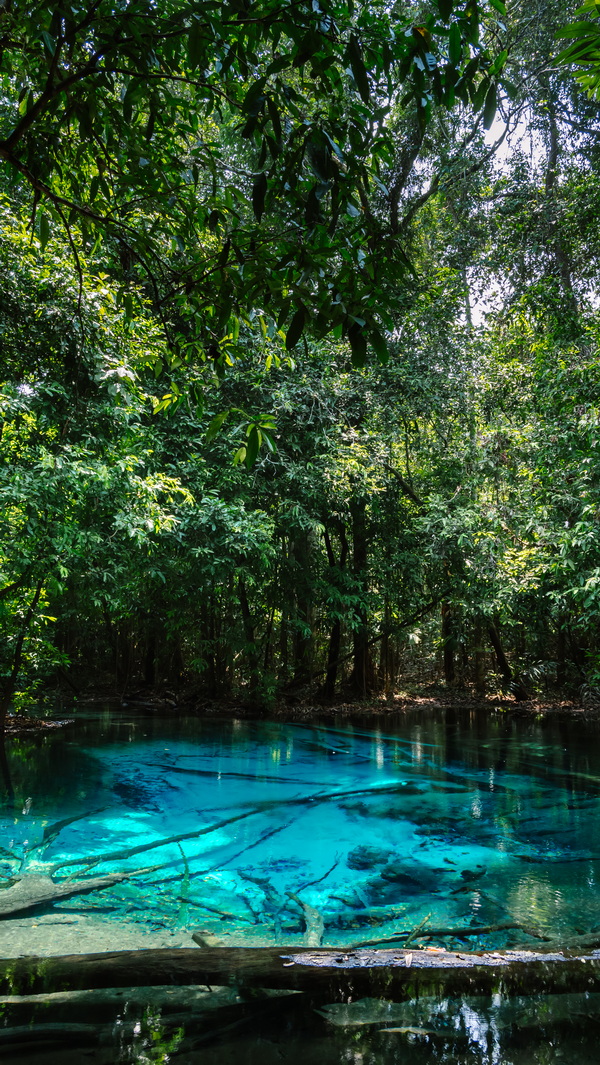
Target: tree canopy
[(229, 156), (208, 214)]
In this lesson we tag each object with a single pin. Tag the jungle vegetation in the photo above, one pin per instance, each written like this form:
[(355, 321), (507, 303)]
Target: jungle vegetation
[(299, 332)]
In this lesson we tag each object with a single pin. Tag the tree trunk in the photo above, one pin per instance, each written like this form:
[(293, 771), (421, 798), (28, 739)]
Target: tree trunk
[(303, 634), (514, 684), (150, 657), (561, 654), (479, 659), (335, 636), (448, 642), (207, 627), (386, 672), (333, 654), (332, 975), (362, 668), (9, 687), (251, 648)]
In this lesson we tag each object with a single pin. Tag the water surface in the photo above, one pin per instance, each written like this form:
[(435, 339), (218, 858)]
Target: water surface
[(257, 832), (260, 833)]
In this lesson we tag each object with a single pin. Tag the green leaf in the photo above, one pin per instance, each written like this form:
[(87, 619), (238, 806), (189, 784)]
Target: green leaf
[(252, 447), (498, 6), (577, 29), (195, 44), (49, 43), (479, 94), (215, 425), (510, 88), (455, 47), (296, 328), (269, 441), (379, 345), (44, 231), (445, 8), (489, 107), (259, 191), (224, 254), (499, 62), (254, 99), (358, 68), (358, 345), (275, 119)]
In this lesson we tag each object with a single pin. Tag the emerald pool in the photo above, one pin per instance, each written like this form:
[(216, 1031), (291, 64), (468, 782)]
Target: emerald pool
[(461, 831), (242, 826)]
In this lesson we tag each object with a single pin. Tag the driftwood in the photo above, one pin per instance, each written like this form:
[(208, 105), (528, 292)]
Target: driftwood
[(315, 922), (314, 798), (34, 892), (424, 931), (332, 976), (154, 844), (574, 944)]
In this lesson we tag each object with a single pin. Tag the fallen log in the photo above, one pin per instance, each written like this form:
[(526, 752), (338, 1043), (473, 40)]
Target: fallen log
[(330, 975), (34, 892), (27, 1036), (315, 922), (581, 943), (154, 844)]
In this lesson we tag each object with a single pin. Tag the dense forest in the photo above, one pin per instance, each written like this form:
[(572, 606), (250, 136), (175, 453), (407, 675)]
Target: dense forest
[(299, 380)]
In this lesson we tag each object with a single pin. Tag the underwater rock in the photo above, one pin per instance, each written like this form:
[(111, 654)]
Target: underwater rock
[(473, 874), (449, 789), (423, 876), (398, 874), (367, 857), (403, 879), (392, 810), (135, 796), (358, 807)]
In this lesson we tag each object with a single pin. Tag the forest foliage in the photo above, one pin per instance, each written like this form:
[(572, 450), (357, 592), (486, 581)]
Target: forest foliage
[(299, 334)]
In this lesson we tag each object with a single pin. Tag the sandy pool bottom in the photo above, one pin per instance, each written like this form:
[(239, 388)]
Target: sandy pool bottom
[(51, 934)]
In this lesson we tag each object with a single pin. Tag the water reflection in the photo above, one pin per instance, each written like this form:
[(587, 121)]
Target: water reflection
[(221, 1026)]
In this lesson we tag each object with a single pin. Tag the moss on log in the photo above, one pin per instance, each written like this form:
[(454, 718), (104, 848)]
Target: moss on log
[(331, 975)]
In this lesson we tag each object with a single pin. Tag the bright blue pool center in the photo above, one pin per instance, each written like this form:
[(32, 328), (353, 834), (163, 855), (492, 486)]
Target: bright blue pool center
[(273, 833)]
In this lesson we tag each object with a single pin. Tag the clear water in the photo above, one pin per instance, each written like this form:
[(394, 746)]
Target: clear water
[(297, 834), (378, 831)]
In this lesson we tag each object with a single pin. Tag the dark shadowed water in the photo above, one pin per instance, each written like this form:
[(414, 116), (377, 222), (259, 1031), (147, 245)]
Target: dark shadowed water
[(478, 832)]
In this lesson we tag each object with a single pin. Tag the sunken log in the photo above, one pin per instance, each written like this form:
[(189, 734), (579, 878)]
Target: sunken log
[(31, 893), (330, 975)]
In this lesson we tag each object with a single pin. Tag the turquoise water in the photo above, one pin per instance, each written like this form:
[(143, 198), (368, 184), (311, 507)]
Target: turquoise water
[(304, 834), (294, 833)]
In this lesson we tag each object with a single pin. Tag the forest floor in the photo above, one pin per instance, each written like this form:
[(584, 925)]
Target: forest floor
[(420, 698), (435, 697)]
